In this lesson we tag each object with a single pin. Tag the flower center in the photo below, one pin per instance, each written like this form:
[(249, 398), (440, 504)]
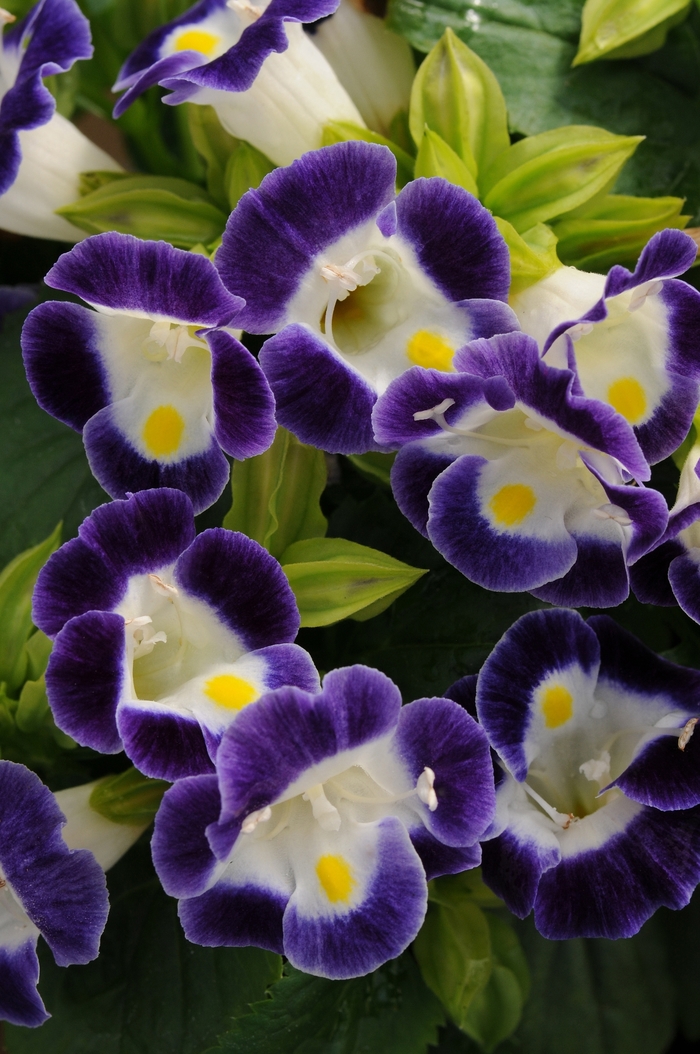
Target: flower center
[(168, 341), (364, 301)]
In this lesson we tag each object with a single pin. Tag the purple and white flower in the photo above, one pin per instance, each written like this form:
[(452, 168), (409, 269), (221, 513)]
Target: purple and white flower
[(518, 480), (254, 64), (153, 377), (327, 810), (45, 889), (161, 637), (632, 338), (597, 811), (41, 153), (357, 285)]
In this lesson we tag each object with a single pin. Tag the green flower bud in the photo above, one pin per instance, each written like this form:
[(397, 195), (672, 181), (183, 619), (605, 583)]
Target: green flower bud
[(624, 29), (549, 174), (333, 579), (276, 494), (457, 96), (214, 145), (128, 798), (533, 254), (155, 207), (437, 158), (246, 168)]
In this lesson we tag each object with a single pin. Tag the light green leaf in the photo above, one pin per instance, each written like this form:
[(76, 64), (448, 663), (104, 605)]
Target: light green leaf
[(152, 207), (533, 254), (333, 578), (33, 706), (626, 28), (457, 96), (344, 131), (614, 230), (437, 158), (129, 797), (546, 175), (453, 948), (215, 146), (276, 494), (246, 169), (17, 582)]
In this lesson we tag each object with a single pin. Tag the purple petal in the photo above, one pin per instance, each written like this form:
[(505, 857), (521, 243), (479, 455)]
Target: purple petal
[(440, 859), (85, 679), (276, 231), (234, 916), (244, 406), (243, 584), (161, 743), (455, 239), (537, 644), (649, 576), (63, 364), (289, 665), (512, 866), (598, 579), (181, 854), (412, 475), (684, 579), (170, 66), (319, 398), (124, 273), (666, 255), (148, 51), (20, 1003)]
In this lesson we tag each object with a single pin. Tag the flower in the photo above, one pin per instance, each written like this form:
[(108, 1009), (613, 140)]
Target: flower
[(254, 64), (358, 286), (632, 338), (45, 888), (42, 154), (518, 480), (155, 381), (597, 818), (374, 65), (670, 573), (161, 638), (315, 835), (86, 828)]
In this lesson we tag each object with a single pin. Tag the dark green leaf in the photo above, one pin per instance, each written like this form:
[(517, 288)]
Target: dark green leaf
[(150, 991)]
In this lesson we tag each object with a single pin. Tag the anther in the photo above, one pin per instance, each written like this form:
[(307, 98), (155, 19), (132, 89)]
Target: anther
[(259, 816), (162, 587), (436, 411), (686, 734), (325, 814), (6, 17), (425, 788)]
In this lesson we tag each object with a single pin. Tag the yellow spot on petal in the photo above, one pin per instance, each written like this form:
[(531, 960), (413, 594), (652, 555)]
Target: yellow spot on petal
[(430, 350), (335, 877), (629, 399), (511, 504), (230, 691), (196, 40), (557, 705), (163, 430)]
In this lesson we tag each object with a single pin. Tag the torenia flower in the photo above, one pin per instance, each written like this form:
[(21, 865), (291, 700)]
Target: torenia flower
[(516, 479), (597, 809), (153, 379), (45, 889), (359, 286), (670, 573), (41, 153), (374, 65), (254, 64), (327, 812), (163, 638), (632, 338)]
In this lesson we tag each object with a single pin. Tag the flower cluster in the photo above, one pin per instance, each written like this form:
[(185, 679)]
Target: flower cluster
[(307, 814)]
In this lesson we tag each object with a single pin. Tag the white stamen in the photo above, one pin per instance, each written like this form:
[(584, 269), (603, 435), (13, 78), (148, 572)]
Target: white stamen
[(6, 17), (138, 622), (613, 512), (247, 12), (259, 816), (686, 734), (597, 768), (326, 815), (176, 339), (563, 819), (532, 424), (424, 788), (642, 292), (162, 587), (143, 644), (436, 411), (582, 329)]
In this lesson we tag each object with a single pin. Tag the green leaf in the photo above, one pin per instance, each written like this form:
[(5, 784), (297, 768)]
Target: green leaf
[(129, 797), (453, 948), (374, 464), (276, 494), (246, 168), (495, 1011), (44, 474), (614, 230), (333, 578), (215, 146), (388, 1012), (150, 991), (437, 158), (530, 44), (17, 582), (682, 930), (626, 28), (533, 254), (344, 131), (546, 175), (456, 95), (152, 207)]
